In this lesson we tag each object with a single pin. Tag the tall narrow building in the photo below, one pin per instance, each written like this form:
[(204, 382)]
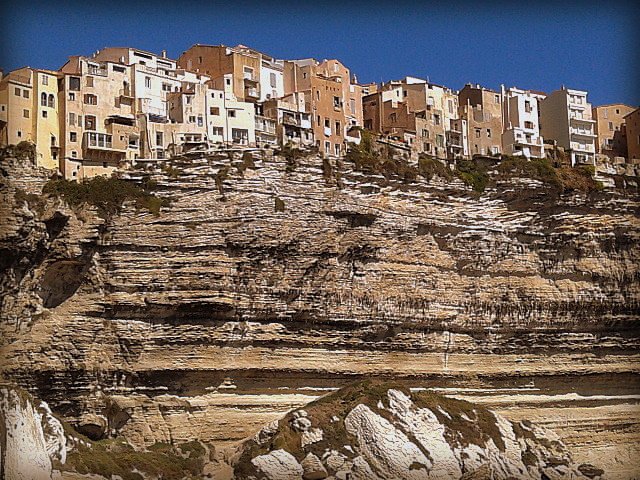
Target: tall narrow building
[(481, 108), (565, 117), (521, 129)]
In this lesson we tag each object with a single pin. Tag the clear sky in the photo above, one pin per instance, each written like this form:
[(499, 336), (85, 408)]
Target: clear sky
[(533, 45)]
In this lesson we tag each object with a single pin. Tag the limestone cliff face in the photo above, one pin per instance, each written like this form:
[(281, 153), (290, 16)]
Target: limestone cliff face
[(378, 432), (285, 277), (30, 437)]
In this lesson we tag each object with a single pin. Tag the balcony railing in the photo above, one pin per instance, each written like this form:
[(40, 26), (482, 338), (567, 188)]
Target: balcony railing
[(252, 92), (290, 120), (101, 71), (249, 76)]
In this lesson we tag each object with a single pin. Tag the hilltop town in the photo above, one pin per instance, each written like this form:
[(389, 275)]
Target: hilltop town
[(123, 105)]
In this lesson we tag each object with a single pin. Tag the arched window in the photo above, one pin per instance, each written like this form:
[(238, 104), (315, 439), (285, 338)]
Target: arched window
[(43, 99), (52, 101)]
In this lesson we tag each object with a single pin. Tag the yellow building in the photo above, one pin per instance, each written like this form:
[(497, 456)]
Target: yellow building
[(29, 107), (610, 129)]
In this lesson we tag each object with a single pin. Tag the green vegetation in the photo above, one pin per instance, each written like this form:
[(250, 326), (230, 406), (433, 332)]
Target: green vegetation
[(429, 167), (291, 154), (472, 174), (116, 457), (106, 194)]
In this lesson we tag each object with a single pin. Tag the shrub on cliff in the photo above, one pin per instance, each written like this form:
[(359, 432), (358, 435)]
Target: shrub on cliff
[(472, 174), (106, 194)]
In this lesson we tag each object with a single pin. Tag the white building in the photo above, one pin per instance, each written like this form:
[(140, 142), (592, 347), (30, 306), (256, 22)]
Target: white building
[(565, 116), (521, 127)]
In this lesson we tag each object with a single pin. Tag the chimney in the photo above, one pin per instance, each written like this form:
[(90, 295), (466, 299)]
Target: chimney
[(164, 54)]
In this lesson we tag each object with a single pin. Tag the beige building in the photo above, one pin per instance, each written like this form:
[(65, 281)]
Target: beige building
[(29, 110), (632, 121), (293, 123), (565, 117), (610, 129), (97, 117), (333, 101), (481, 108), (255, 76)]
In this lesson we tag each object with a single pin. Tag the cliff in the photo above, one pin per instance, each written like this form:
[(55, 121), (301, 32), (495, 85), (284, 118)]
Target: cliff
[(292, 276)]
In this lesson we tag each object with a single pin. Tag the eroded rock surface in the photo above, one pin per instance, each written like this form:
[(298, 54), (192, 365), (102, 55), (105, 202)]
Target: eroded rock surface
[(364, 276)]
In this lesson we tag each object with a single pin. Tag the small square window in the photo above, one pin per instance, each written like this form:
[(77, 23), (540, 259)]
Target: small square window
[(25, 93), (73, 137), (45, 80), (17, 92), (232, 113), (25, 113), (44, 114)]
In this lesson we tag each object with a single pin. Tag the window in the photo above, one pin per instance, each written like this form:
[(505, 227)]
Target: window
[(393, 118), (317, 94), (337, 148), (44, 114), (327, 123), (19, 133), (216, 131), (192, 119), (147, 82), (617, 111), (200, 121), (90, 99), (159, 139), (90, 122), (214, 110), (72, 96), (51, 101), (528, 124), (89, 81), (43, 99), (436, 119), (352, 102), (25, 93), (488, 133), (527, 106), (73, 136), (25, 113), (318, 121), (74, 154), (477, 130), (496, 98), (605, 113), (440, 140), (610, 125), (231, 113), (45, 80), (528, 138), (304, 74), (74, 83), (450, 104), (272, 79), (188, 99), (327, 146), (166, 87), (228, 81), (337, 103), (17, 92), (338, 128)]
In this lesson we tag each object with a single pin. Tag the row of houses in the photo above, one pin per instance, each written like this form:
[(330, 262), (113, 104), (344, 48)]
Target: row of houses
[(121, 104)]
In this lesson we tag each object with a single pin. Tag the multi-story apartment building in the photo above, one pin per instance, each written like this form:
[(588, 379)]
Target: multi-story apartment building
[(29, 108), (610, 129), (255, 76), (97, 117), (565, 117), (521, 128), (632, 122), (481, 108), (333, 101), (293, 123)]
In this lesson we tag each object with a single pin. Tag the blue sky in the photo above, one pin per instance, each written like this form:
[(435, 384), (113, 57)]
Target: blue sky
[(531, 45)]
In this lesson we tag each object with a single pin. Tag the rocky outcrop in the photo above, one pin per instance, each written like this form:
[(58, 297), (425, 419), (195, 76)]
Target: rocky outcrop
[(375, 432), (31, 438), (130, 325)]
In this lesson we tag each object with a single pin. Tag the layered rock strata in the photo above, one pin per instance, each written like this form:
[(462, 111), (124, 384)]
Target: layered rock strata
[(287, 278)]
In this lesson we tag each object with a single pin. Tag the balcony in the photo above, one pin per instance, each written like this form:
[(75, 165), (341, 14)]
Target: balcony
[(101, 141), (100, 71), (288, 119), (266, 125), (250, 76), (126, 93), (590, 147), (252, 93)]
